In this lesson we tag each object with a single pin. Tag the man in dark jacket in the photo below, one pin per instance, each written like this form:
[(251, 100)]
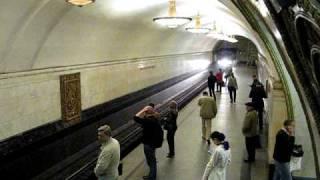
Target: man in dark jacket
[(149, 119), (283, 150), (211, 83), (257, 94), (255, 81)]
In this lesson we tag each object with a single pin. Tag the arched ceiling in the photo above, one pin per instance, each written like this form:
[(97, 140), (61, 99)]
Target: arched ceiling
[(52, 33)]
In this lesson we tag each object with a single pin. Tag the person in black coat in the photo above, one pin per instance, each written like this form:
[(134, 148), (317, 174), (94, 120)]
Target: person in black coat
[(283, 150), (255, 81), (211, 84), (171, 126), (257, 94), (149, 120)]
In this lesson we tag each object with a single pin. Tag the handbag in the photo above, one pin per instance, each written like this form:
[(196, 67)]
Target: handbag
[(297, 151), (296, 158)]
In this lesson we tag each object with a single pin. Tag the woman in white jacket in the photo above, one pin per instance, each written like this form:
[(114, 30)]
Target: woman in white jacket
[(219, 160)]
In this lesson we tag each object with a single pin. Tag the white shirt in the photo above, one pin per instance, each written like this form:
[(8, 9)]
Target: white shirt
[(108, 161)]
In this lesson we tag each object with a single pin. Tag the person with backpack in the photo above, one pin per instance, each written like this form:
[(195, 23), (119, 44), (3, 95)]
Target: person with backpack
[(152, 137)]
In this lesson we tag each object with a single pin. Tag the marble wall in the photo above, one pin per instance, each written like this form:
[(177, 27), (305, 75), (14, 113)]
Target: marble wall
[(31, 99), (277, 113)]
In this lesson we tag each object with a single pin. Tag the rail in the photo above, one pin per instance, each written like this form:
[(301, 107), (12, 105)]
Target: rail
[(133, 132)]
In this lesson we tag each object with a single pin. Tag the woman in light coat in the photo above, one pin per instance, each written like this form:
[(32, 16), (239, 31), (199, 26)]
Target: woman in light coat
[(219, 160)]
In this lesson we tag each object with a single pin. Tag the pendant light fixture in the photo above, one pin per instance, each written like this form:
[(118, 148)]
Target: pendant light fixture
[(215, 33), (220, 35), (197, 28), (172, 21), (80, 3)]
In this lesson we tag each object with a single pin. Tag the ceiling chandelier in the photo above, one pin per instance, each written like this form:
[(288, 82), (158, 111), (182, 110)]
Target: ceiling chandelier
[(197, 28), (220, 35), (80, 3), (172, 21)]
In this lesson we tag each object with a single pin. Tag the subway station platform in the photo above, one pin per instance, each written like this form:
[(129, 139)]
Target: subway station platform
[(192, 152)]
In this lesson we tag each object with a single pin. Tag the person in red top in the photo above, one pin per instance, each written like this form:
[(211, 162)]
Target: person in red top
[(219, 76)]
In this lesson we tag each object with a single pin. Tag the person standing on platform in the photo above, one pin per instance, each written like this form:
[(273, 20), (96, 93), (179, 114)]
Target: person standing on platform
[(283, 150), (219, 77), (208, 110), (109, 157), (249, 130), (255, 81), (232, 87), (211, 84), (171, 126), (152, 137), (257, 94), (219, 160)]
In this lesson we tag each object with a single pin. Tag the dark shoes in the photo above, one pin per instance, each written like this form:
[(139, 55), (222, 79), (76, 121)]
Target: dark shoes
[(248, 161), (170, 155), (148, 178)]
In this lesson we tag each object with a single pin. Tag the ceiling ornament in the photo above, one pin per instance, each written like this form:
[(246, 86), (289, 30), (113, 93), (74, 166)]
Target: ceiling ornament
[(197, 28), (172, 21)]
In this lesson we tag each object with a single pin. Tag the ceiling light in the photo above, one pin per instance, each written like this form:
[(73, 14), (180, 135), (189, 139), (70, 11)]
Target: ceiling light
[(80, 3), (198, 28), (172, 21), (220, 35)]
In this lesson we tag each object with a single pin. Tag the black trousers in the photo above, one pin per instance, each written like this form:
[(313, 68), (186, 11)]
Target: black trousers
[(251, 148), (211, 91), (170, 139), (219, 86), (232, 94), (260, 115)]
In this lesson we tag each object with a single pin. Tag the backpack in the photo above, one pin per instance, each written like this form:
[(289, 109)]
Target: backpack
[(158, 136)]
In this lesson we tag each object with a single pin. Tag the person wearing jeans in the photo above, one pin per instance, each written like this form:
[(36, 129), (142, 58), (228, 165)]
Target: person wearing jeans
[(150, 153), (148, 118), (283, 150)]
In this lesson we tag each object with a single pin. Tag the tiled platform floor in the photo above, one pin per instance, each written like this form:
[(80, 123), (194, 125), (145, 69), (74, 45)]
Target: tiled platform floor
[(191, 151)]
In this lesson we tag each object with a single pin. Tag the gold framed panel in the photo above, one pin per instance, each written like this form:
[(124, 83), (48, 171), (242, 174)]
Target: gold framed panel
[(70, 92)]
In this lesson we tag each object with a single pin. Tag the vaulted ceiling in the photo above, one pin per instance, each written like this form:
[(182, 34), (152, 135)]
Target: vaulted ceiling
[(37, 34)]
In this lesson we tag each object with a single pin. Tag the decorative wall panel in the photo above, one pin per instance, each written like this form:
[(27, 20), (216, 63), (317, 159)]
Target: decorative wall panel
[(70, 97)]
